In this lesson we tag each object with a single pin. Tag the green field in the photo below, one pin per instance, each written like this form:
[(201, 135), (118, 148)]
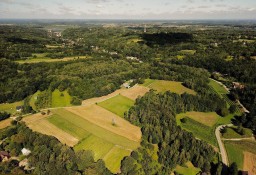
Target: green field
[(10, 107), (41, 57), (188, 170), (68, 127), (147, 82), (56, 99), (245, 145), (114, 157), (231, 133), (208, 119), (163, 86), (235, 154), (118, 105), (187, 52), (99, 146), (199, 130), (217, 87), (60, 99)]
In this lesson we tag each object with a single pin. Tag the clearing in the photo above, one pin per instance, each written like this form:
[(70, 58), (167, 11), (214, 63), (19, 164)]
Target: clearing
[(163, 86), (188, 170), (208, 119), (60, 99), (42, 58), (187, 52), (10, 107), (118, 105), (199, 130)]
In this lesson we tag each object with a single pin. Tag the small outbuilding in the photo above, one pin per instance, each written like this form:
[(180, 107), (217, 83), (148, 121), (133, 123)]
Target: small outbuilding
[(25, 151)]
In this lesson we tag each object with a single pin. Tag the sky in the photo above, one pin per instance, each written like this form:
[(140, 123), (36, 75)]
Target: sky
[(128, 9)]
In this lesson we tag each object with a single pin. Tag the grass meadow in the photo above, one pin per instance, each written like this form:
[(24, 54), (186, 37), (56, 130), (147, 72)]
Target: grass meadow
[(118, 105)]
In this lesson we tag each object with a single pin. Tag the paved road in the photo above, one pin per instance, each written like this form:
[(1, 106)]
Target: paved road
[(223, 151)]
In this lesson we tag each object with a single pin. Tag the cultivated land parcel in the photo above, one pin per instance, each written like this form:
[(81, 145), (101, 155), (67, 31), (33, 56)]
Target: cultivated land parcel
[(91, 127), (98, 124)]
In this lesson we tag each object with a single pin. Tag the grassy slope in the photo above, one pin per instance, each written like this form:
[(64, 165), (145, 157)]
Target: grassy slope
[(163, 86), (10, 107), (68, 127), (208, 119), (114, 157), (231, 133), (200, 131), (217, 87), (235, 154), (60, 101), (94, 129), (235, 150), (118, 104), (99, 146), (102, 142), (188, 170)]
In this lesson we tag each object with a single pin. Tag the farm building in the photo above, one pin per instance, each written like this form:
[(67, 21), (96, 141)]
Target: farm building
[(19, 108)]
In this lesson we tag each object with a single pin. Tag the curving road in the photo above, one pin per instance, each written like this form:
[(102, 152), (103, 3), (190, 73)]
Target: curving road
[(223, 151)]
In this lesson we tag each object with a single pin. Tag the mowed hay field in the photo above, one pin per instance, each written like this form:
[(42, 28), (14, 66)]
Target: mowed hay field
[(39, 123), (163, 86), (97, 125), (135, 91), (200, 124), (118, 105), (208, 119), (249, 163), (243, 153), (5, 123), (92, 125)]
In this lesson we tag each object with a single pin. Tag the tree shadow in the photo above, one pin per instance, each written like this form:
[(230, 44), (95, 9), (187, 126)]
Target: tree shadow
[(166, 38)]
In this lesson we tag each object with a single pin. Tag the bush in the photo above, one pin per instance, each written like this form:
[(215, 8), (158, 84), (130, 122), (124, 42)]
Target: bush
[(184, 120), (232, 109), (223, 112), (76, 101)]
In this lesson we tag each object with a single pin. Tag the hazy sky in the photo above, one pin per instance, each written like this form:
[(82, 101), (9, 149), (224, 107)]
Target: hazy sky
[(128, 9)]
